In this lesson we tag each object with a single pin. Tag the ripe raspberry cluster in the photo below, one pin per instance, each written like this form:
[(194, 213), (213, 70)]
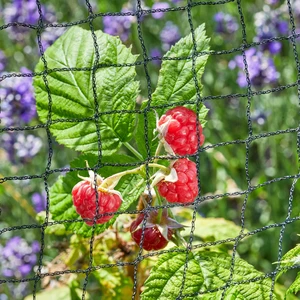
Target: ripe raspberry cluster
[(90, 202), (85, 202), (153, 238), (185, 189), (178, 129), (96, 201)]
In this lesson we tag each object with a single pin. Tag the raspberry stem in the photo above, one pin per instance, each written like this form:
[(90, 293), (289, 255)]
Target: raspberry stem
[(133, 151), (178, 239), (158, 149), (161, 167), (159, 202), (111, 181)]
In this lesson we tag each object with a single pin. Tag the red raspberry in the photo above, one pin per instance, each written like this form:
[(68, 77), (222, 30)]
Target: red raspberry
[(84, 199), (178, 128), (153, 238), (185, 189)]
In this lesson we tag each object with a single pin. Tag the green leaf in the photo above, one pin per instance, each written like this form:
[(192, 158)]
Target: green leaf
[(140, 134), (60, 293), (61, 204), (176, 79), (166, 277), (291, 258), (216, 270), (295, 286), (72, 93), (202, 115), (280, 291), (206, 271), (212, 229)]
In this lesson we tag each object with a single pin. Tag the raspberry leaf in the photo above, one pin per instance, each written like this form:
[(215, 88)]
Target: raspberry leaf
[(213, 229), (140, 134), (290, 259), (206, 271), (72, 91), (61, 204), (176, 79), (295, 286)]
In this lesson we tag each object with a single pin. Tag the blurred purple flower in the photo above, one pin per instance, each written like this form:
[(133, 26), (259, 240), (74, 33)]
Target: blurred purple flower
[(261, 68), (22, 11), (295, 5), (272, 2), (269, 23), (50, 35), (18, 257), (19, 147), (39, 201), (169, 35), (176, 1), (296, 8), (159, 5), (259, 117), (17, 100), (225, 23), (25, 11), (155, 52), (2, 61), (19, 291), (118, 25)]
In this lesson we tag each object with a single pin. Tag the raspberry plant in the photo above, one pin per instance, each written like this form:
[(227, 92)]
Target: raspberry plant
[(129, 151)]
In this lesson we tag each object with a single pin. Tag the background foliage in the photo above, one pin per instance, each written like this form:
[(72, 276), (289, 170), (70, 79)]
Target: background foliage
[(271, 66)]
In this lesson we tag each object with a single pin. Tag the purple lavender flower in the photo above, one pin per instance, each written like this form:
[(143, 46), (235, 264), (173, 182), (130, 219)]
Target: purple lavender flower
[(24, 11), (39, 201), (269, 24), (272, 2), (295, 4), (50, 35), (18, 291), (296, 9), (259, 117), (261, 68), (18, 257), (169, 35), (20, 148), (225, 23), (2, 61), (155, 52), (17, 100), (159, 5), (118, 25)]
